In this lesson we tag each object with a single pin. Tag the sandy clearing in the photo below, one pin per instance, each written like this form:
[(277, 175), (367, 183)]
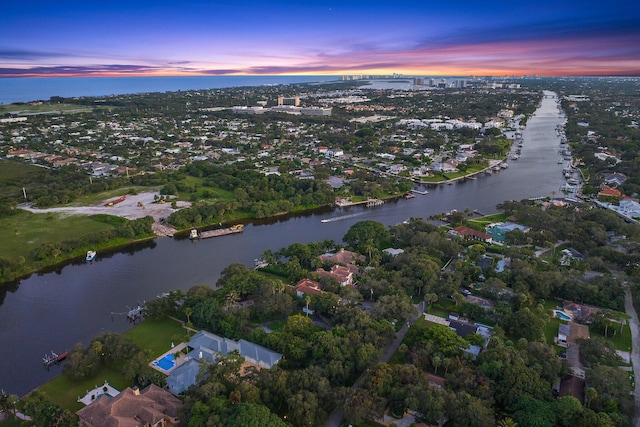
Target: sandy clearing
[(128, 208)]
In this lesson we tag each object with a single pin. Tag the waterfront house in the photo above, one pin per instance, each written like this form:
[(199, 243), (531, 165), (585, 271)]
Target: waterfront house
[(207, 347), (470, 234), (498, 231), (341, 257), (151, 407)]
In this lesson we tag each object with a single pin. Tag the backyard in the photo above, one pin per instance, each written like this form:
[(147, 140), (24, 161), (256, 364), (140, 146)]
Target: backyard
[(153, 335)]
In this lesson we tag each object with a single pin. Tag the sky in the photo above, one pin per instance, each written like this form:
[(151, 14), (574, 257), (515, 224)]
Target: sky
[(240, 37)]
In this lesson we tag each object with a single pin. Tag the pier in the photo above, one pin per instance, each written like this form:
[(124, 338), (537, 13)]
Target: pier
[(53, 359), (374, 202)]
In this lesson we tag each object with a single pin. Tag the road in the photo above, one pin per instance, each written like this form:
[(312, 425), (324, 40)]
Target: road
[(635, 352), (337, 415)]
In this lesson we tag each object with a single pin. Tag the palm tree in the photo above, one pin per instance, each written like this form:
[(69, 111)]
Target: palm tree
[(507, 422), (307, 300), (188, 311), (430, 298)]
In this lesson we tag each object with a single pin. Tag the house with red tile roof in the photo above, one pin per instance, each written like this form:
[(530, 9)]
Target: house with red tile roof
[(341, 257), (151, 407), (308, 287), (608, 193), (341, 273), (470, 234)]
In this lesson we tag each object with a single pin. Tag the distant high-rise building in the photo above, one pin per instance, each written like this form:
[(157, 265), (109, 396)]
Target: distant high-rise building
[(432, 82), (418, 81), (289, 101)]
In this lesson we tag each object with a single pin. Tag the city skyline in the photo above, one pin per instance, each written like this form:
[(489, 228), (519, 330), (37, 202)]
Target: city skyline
[(165, 38)]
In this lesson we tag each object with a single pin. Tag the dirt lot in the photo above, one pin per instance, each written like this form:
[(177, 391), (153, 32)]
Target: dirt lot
[(128, 208)]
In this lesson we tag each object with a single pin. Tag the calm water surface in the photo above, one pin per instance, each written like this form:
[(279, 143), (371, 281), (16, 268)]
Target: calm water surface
[(25, 89), (55, 310)]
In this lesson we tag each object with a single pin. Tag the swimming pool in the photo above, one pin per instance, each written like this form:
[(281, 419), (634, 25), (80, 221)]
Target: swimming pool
[(561, 315), (166, 363)]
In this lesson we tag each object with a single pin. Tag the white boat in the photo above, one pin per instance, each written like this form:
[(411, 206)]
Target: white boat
[(194, 234), (91, 255)]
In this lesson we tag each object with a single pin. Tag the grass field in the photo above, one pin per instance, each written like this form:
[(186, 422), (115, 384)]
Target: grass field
[(24, 231), (157, 335), (621, 341), (153, 335), (65, 392), (486, 220)]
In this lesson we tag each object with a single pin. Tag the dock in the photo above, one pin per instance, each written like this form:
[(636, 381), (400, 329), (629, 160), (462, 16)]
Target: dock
[(221, 232), (53, 359)]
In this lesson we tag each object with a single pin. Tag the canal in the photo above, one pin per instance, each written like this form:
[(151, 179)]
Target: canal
[(52, 311)]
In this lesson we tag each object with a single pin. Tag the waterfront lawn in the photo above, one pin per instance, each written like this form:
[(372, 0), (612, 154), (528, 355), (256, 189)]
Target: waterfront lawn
[(157, 335), (64, 392), (154, 335), (489, 219), (23, 232)]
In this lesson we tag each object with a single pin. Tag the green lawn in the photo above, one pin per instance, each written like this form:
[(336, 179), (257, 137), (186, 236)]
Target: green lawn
[(65, 392), (153, 335), (488, 219), (157, 335), (551, 330), (621, 341), (24, 231)]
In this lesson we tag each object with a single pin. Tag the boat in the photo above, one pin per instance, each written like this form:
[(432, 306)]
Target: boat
[(238, 228), (91, 255), (194, 234)]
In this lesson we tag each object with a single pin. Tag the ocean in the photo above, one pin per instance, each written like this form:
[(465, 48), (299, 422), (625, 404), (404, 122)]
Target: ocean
[(43, 88)]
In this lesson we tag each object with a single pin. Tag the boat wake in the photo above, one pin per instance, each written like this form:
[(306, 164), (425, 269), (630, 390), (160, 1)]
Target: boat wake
[(338, 218)]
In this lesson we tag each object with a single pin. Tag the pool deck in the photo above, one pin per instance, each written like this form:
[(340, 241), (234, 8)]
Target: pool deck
[(179, 361), (93, 395)]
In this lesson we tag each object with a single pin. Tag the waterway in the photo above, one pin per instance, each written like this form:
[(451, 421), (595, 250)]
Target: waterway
[(52, 311)]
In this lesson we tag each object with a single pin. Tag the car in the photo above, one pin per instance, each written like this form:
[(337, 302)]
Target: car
[(466, 292), (562, 354)]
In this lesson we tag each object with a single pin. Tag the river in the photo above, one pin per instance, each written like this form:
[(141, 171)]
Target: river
[(52, 311)]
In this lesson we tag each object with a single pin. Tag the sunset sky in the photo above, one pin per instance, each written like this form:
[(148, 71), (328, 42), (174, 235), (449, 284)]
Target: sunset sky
[(198, 37)]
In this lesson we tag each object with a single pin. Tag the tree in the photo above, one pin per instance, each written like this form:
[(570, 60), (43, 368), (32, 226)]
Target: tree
[(365, 233), (568, 409), (251, 414), (188, 311), (507, 422), (307, 301), (395, 308)]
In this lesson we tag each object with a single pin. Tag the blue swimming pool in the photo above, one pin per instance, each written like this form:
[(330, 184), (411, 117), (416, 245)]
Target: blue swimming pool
[(166, 363), (561, 315)]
